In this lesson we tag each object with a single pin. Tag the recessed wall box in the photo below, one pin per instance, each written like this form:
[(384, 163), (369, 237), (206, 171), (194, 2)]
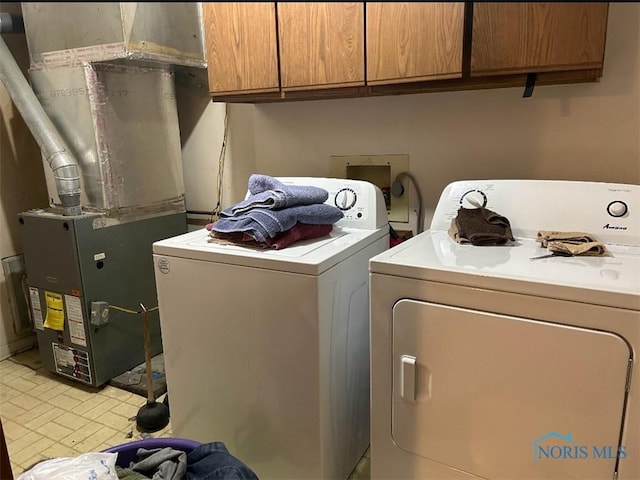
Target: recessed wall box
[(381, 170)]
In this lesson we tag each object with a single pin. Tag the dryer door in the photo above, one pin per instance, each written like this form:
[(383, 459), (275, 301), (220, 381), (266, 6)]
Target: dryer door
[(507, 398)]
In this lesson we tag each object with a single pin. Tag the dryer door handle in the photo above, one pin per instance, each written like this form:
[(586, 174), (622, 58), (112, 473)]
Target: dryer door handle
[(408, 378)]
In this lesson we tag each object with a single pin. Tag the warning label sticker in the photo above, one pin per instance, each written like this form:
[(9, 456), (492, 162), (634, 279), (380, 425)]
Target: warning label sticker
[(72, 362), (36, 308), (76, 320)]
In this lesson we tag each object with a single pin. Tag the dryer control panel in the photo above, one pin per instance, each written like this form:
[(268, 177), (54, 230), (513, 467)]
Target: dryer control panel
[(362, 203), (609, 211)]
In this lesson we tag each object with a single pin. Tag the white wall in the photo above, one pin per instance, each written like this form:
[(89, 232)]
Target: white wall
[(202, 134), (585, 132), (22, 186), (575, 132)]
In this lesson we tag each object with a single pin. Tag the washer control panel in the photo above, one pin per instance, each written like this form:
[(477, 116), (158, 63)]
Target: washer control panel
[(610, 212), (361, 203)]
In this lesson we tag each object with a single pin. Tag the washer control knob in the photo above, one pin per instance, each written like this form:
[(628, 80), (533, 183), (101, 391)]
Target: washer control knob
[(473, 199), (345, 199), (617, 208)]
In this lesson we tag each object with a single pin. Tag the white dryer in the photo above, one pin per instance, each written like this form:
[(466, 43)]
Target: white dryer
[(268, 350), (487, 364)]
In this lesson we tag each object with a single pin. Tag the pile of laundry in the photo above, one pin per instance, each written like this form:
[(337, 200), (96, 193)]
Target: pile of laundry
[(275, 215), (481, 227), (569, 244), (206, 461)]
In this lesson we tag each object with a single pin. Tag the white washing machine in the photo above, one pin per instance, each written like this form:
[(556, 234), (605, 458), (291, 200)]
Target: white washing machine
[(487, 364), (268, 350)]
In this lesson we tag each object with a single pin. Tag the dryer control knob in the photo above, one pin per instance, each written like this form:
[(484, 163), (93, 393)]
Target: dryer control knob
[(473, 199), (617, 208)]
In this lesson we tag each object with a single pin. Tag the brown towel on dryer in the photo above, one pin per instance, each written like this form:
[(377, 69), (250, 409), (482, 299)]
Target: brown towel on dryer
[(545, 236), (480, 226), (573, 243)]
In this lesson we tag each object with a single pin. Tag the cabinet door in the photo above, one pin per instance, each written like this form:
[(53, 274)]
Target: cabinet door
[(321, 44), (408, 42), (537, 36), (241, 47)]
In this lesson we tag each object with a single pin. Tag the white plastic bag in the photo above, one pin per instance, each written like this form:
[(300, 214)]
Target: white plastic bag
[(88, 466)]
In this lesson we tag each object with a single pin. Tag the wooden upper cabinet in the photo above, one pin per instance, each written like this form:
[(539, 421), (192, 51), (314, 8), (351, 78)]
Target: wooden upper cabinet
[(286, 50), (241, 47), (537, 37), (321, 44), (409, 42)]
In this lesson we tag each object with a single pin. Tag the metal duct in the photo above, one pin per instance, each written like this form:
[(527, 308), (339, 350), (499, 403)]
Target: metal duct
[(54, 148), (10, 23), (121, 123)]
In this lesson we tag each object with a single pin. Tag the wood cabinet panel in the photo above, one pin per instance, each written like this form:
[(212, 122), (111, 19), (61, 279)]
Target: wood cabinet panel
[(321, 44), (408, 42), (241, 47), (279, 51), (537, 36)]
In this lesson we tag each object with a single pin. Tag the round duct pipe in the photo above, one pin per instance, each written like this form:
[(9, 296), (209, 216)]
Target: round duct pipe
[(11, 23), (54, 148)]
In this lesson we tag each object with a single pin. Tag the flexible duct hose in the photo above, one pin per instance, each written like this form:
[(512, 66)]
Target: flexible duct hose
[(54, 148)]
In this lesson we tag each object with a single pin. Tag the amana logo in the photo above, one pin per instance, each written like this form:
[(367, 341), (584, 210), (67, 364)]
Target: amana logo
[(613, 227)]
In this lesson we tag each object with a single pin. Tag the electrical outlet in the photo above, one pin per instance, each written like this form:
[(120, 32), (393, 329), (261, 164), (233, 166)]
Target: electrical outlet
[(99, 313), (381, 170)]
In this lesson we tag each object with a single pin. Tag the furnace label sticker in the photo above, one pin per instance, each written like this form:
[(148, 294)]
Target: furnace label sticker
[(36, 308), (55, 311), (72, 362), (76, 320)]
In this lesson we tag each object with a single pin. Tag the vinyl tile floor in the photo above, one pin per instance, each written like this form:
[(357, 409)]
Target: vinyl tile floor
[(46, 416)]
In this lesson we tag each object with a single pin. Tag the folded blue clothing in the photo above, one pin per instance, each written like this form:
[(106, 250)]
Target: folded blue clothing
[(263, 223), (245, 224), (268, 192)]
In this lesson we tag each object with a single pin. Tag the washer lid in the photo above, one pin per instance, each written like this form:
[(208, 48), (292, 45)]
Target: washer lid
[(612, 281), (310, 257)]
